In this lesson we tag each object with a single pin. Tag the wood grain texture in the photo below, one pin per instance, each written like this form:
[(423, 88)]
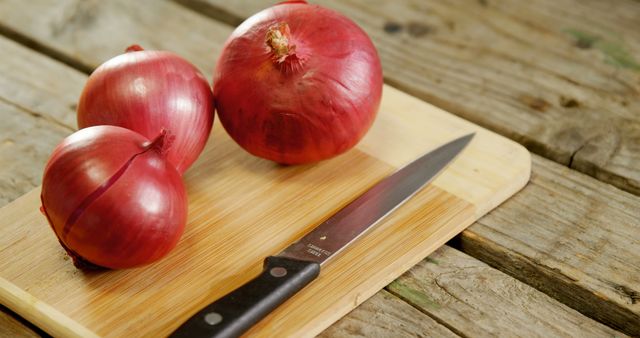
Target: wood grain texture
[(12, 327), (88, 33), (483, 302), (20, 150), (41, 313), (384, 315), (36, 110), (572, 237), (560, 77)]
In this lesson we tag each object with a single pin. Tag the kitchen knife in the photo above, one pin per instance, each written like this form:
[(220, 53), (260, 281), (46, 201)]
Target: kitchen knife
[(289, 271)]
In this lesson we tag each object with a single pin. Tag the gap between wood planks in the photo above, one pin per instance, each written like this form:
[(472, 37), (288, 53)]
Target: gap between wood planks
[(38, 47), (12, 325)]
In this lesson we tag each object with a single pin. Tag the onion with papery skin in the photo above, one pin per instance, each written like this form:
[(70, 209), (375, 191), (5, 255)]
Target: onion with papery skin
[(146, 91), (112, 198), (297, 83)]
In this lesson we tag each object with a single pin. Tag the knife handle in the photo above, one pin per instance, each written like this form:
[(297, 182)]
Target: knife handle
[(235, 313)]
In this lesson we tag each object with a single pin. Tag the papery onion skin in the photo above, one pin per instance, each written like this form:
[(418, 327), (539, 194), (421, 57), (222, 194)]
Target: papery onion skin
[(146, 91), (301, 99), (129, 203)]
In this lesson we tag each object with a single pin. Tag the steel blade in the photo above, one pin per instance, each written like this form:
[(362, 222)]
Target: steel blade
[(346, 225)]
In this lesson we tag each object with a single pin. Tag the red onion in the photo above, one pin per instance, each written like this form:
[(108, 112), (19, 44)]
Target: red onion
[(112, 198), (297, 83), (146, 91)]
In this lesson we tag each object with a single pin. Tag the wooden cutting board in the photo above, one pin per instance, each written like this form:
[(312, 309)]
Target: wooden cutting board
[(242, 209)]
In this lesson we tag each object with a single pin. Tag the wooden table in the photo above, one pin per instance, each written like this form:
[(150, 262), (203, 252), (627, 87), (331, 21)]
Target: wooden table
[(562, 77)]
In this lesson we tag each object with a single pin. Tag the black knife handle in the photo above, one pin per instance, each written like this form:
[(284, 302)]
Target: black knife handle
[(235, 313)]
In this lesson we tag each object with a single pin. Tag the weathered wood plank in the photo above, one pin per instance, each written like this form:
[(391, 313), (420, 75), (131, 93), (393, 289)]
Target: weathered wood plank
[(470, 299), (53, 90), (483, 302), (572, 237), (22, 153), (560, 77), (37, 103), (385, 315), (87, 33)]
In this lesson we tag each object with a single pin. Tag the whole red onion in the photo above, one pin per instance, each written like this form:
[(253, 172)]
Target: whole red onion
[(112, 198), (146, 91), (297, 83)]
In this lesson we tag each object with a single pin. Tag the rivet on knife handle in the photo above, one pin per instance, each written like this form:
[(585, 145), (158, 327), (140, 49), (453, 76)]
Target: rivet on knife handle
[(235, 313)]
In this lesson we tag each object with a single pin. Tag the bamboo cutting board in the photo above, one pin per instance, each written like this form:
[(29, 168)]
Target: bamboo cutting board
[(242, 209)]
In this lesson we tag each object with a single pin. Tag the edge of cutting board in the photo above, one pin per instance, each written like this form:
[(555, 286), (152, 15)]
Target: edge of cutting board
[(371, 259), (40, 313), (409, 111)]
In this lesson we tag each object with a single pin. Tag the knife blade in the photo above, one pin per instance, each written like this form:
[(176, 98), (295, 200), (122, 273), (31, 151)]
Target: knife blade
[(296, 266)]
